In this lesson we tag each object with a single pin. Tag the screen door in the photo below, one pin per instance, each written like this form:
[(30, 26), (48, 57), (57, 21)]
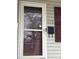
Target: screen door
[(32, 34)]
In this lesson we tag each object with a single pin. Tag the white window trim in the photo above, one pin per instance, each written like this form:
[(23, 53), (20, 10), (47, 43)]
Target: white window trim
[(20, 41)]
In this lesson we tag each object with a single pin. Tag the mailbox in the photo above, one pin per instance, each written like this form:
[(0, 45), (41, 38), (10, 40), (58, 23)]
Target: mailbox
[(50, 30)]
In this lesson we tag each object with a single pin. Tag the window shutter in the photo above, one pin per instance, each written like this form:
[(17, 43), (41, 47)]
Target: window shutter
[(57, 17)]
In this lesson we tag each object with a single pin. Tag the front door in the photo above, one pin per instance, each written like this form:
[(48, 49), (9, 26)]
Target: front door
[(32, 24)]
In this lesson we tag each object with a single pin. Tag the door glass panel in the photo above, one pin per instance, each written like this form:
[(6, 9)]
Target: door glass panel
[(32, 18), (32, 43)]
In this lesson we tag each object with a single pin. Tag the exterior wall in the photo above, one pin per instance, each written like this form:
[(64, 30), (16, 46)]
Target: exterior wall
[(53, 48)]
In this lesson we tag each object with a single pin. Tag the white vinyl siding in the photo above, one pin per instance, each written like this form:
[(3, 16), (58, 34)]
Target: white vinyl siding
[(53, 48)]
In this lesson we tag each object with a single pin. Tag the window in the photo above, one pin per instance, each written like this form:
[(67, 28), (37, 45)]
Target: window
[(57, 16)]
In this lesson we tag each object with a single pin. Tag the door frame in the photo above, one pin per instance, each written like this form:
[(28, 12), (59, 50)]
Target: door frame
[(21, 29)]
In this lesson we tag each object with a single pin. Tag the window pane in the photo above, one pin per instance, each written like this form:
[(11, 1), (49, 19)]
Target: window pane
[(32, 43), (32, 18)]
